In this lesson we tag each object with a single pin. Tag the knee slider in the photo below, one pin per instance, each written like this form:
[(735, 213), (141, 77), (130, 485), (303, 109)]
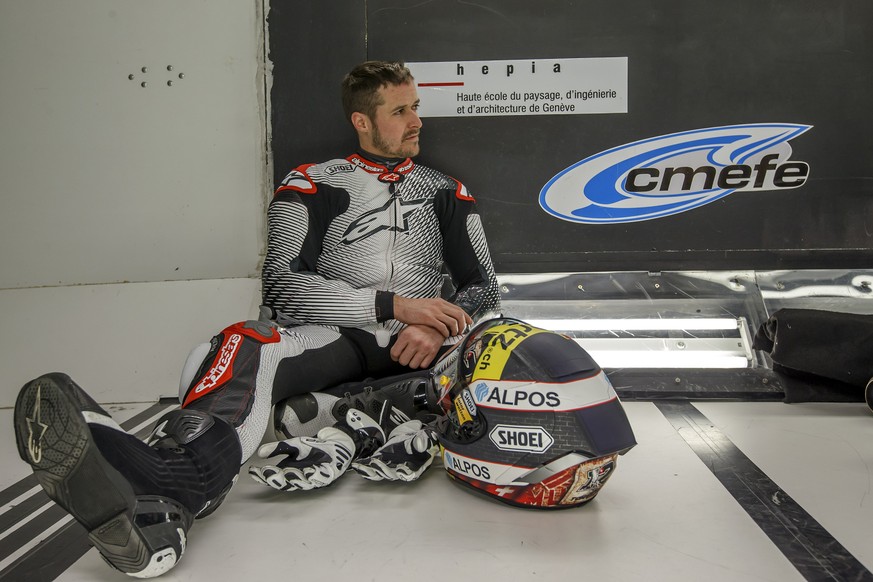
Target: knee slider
[(257, 330)]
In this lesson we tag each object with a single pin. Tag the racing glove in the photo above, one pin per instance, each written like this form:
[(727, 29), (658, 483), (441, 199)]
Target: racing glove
[(405, 456), (304, 463)]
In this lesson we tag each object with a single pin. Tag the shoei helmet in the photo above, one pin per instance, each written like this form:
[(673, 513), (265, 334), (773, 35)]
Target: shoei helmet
[(532, 420)]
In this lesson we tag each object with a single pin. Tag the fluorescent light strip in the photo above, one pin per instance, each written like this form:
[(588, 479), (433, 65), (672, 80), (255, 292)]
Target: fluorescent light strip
[(633, 324), (616, 359), (856, 292)]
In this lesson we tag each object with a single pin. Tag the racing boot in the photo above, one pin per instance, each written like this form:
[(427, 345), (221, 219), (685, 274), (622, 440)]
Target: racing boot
[(136, 501), (389, 401)]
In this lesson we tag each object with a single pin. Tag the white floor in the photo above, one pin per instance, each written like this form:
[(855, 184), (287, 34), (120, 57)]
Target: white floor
[(663, 516)]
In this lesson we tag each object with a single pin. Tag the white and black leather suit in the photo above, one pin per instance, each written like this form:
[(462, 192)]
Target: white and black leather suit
[(344, 237)]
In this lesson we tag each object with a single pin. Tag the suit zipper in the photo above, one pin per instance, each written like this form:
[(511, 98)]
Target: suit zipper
[(383, 336)]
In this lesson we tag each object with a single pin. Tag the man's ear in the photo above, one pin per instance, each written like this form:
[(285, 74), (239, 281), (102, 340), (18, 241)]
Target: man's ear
[(361, 122)]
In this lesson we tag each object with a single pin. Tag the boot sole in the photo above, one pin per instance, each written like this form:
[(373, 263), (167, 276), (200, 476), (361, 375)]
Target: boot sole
[(54, 438)]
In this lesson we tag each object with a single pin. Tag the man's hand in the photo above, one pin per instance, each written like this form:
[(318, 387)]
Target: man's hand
[(416, 346), (447, 318)]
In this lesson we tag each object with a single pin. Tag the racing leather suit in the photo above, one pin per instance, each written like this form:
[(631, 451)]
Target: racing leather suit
[(348, 234), (344, 237)]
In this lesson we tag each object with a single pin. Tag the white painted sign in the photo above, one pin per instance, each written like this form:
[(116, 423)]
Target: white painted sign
[(521, 87)]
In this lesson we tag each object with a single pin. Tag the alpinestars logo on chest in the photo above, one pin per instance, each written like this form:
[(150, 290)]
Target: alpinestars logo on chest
[(386, 217)]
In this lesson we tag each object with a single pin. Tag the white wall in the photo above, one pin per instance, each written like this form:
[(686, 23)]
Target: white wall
[(131, 218)]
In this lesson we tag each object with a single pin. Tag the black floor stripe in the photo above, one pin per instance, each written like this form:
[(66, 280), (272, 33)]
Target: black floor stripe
[(52, 557), (26, 507), (807, 545), (63, 548), (17, 489), (32, 529)]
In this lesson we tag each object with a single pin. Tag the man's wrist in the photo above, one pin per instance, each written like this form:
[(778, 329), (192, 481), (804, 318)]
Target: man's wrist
[(384, 306)]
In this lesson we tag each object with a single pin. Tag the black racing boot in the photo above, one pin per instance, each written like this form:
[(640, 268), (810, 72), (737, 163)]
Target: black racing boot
[(137, 502)]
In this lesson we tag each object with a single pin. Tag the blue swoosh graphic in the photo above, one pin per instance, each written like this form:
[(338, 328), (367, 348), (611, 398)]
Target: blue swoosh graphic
[(601, 191), (597, 211)]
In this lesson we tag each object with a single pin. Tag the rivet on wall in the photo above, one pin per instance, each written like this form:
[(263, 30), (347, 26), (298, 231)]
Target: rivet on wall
[(145, 70), (170, 69)]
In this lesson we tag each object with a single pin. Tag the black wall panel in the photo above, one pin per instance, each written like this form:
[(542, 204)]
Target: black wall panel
[(312, 46), (691, 65)]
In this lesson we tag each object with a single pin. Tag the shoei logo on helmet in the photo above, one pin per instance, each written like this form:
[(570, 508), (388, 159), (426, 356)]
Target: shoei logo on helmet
[(469, 402), (523, 439), (669, 174)]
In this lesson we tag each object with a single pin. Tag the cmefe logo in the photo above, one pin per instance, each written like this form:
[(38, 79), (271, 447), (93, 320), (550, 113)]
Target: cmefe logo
[(669, 174)]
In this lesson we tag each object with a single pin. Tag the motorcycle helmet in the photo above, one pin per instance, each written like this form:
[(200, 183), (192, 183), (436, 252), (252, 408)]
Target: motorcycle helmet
[(531, 419)]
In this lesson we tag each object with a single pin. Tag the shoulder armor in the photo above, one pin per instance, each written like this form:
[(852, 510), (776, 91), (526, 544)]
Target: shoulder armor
[(462, 193), (299, 181)]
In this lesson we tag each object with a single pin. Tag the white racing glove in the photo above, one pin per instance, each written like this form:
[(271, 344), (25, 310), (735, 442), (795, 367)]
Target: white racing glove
[(306, 462), (405, 456)]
